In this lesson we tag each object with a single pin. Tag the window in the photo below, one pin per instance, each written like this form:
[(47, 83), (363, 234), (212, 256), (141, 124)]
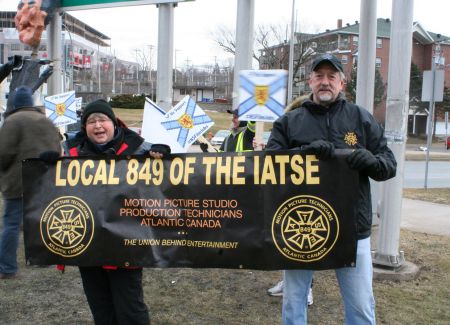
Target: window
[(355, 39), (15, 47), (379, 43), (344, 59), (378, 62), (183, 91)]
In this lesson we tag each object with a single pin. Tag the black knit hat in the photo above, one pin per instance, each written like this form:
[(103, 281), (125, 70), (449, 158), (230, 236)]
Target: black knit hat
[(98, 106), (23, 97)]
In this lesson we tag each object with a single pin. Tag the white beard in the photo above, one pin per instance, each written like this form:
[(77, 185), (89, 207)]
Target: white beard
[(325, 97)]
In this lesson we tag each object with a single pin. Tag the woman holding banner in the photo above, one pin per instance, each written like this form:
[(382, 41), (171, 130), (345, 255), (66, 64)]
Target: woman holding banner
[(115, 294)]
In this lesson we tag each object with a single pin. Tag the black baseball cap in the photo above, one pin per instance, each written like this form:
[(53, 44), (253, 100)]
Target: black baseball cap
[(330, 58), (234, 112)]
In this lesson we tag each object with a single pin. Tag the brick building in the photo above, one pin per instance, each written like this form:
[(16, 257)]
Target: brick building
[(343, 42)]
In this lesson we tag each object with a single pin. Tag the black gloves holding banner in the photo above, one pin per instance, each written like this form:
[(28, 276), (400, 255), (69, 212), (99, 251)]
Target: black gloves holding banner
[(204, 147), (50, 157), (362, 159), (163, 149), (322, 149)]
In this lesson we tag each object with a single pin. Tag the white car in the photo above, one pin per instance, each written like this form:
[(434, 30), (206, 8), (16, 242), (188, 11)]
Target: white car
[(219, 137)]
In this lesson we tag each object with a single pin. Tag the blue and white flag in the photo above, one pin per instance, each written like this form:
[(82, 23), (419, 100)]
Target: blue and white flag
[(262, 94), (61, 109), (186, 122), (152, 130)]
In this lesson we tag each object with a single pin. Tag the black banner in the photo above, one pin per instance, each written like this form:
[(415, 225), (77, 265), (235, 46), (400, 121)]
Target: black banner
[(253, 210)]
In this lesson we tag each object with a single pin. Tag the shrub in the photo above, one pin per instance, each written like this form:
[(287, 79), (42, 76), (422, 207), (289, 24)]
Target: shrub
[(128, 101)]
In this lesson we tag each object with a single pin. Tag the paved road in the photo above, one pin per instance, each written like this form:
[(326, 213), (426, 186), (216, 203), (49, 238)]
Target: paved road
[(438, 174)]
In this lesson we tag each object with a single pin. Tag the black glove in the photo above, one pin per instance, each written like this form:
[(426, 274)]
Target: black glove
[(163, 149), (322, 149), (50, 157), (362, 159), (204, 147), (14, 61)]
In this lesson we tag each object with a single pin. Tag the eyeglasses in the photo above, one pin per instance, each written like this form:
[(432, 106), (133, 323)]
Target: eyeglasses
[(101, 121)]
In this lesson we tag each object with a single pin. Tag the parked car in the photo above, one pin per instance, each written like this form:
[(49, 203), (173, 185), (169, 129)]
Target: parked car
[(448, 143), (219, 137)]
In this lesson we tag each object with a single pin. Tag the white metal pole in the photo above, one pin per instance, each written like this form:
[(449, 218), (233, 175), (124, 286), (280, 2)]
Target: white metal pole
[(365, 79), (99, 62), (114, 74), (396, 129), (244, 43), (430, 121), (55, 53), (165, 56), (291, 55)]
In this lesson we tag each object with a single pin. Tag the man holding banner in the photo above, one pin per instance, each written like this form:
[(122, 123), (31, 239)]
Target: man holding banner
[(323, 123)]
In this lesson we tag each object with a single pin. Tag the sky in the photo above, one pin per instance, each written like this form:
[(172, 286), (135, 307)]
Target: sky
[(136, 27)]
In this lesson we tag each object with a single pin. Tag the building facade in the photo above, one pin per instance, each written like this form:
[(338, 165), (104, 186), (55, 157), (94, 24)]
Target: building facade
[(343, 42)]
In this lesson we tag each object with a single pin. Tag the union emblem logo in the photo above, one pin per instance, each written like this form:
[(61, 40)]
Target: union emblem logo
[(67, 226), (60, 109), (261, 94), (305, 228), (186, 121), (350, 138)]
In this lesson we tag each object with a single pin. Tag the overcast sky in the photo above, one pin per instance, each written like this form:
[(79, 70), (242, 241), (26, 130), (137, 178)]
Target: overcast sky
[(135, 27)]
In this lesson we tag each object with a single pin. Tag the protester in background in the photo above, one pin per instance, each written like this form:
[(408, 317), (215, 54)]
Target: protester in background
[(323, 123), (26, 133), (115, 295), (241, 136)]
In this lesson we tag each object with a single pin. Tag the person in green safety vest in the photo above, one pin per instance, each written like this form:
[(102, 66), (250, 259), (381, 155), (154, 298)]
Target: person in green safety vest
[(241, 136)]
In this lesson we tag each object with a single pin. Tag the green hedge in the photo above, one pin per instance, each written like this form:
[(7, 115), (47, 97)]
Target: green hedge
[(128, 101)]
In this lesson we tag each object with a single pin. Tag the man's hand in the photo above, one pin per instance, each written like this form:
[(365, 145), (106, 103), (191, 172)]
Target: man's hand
[(324, 150), (50, 157), (159, 150), (204, 147), (362, 159)]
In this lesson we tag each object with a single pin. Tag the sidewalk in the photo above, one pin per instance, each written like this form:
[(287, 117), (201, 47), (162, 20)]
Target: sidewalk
[(426, 217)]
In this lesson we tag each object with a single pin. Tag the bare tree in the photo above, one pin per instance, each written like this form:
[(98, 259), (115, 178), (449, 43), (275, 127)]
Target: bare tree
[(271, 46)]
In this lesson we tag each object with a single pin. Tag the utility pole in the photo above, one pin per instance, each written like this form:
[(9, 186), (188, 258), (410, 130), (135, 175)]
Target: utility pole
[(137, 73), (114, 74), (244, 43), (291, 56), (54, 49), (99, 69), (397, 106), (430, 120), (150, 78), (164, 84), (175, 53), (365, 80)]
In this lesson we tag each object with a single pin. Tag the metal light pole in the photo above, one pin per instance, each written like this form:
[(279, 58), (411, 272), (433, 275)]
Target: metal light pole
[(397, 107), (365, 79), (244, 43), (99, 69), (430, 121), (165, 56), (55, 54), (291, 55), (114, 74)]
